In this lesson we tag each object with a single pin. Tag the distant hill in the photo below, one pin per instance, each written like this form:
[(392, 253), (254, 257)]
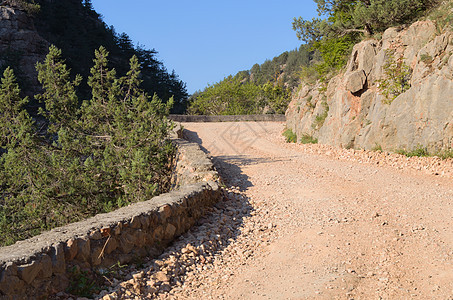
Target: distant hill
[(265, 88), (77, 29)]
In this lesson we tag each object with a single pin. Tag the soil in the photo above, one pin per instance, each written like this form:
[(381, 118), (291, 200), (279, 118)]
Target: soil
[(308, 222)]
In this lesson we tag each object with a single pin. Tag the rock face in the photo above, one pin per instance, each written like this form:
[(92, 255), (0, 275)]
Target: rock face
[(20, 45), (359, 114)]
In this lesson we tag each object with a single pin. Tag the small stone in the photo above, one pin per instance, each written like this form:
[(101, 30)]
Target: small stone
[(135, 222), (29, 271), (170, 231), (138, 275), (46, 266), (84, 249), (71, 249), (165, 211), (95, 235), (118, 228), (105, 231), (165, 287), (161, 276)]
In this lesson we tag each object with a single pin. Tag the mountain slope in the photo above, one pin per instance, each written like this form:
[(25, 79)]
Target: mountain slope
[(74, 27)]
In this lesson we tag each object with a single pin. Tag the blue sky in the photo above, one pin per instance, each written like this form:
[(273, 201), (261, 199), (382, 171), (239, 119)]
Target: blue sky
[(204, 41)]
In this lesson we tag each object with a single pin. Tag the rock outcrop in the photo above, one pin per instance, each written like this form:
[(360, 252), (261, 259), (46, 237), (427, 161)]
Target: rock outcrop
[(21, 46), (360, 116)]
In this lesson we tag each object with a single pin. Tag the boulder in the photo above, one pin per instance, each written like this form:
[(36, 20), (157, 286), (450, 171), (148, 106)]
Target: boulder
[(356, 81)]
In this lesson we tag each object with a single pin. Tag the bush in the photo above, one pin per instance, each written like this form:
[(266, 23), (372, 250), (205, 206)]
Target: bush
[(420, 151), (320, 119), (28, 6), (111, 151), (396, 78), (237, 96), (290, 136), (308, 139)]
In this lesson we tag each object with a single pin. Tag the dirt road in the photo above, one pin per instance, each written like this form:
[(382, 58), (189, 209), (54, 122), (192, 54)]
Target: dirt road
[(314, 222)]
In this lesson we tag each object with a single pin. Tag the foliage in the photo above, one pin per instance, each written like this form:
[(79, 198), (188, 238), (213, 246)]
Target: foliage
[(345, 21), (282, 69), (111, 151), (426, 58), (334, 54), (228, 97), (442, 16), (29, 6), (290, 136), (76, 29), (377, 147), (320, 119), (82, 283), (308, 139), (235, 96), (275, 97), (445, 154), (419, 151), (343, 17), (265, 88), (397, 75)]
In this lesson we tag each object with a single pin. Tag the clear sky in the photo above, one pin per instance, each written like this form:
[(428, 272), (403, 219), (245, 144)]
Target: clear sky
[(205, 41)]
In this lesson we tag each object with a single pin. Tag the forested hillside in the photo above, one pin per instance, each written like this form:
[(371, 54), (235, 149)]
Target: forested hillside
[(265, 88), (75, 28)]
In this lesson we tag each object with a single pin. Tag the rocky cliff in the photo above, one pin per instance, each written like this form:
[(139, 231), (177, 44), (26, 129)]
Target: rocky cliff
[(354, 111), (77, 29), (21, 46)]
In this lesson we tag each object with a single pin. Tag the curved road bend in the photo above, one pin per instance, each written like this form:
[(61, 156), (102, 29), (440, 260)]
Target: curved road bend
[(338, 229)]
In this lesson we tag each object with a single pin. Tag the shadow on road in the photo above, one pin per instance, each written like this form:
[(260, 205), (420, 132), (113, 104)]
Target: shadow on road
[(193, 137)]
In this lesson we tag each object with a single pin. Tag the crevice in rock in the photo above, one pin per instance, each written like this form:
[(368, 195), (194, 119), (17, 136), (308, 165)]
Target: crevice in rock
[(362, 91)]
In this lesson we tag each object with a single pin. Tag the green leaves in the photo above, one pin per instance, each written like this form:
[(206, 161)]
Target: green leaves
[(346, 21), (396, 79), (236, 96), (59, 94), (15, 123), (111, 151)]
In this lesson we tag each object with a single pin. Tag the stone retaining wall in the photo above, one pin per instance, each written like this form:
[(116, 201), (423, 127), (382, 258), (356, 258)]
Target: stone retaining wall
[(235, 118), (42, 265)]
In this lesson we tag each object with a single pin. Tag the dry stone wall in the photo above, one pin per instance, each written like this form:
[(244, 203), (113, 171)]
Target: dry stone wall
[(228, 118), (42, 265)]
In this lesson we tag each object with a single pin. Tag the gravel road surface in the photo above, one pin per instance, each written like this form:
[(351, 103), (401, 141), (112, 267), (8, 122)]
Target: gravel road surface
[(308, 222)]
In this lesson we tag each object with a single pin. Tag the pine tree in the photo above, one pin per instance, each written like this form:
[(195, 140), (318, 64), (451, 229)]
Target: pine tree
[(110, 152), (59, 94)]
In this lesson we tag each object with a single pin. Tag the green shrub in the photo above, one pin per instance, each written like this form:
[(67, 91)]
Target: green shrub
[(396, 79), (419, 151), (290, 136), (442, 16), (28, 6), (111, 151), (445, 154), (377, 147), (427, 59), (320, 119), (308, 139)]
